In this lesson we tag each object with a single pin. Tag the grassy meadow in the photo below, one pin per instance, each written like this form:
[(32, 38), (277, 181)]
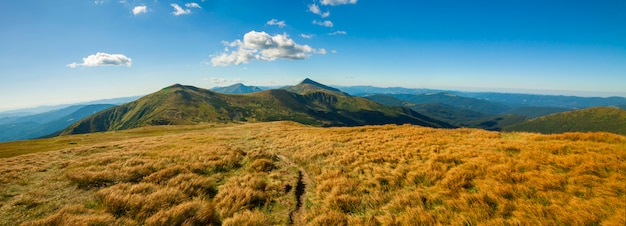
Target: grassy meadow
[(283, 173)]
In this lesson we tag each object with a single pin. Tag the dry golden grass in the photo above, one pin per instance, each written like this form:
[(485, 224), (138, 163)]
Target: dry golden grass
[(374, 175), (412, 175)]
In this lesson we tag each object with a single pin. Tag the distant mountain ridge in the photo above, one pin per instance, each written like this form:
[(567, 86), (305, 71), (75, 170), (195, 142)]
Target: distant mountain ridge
[(237, 88), (572, 102), (453, 109), (464, 111), (513, 100), (477, 105), (315, 104), (44, 109), (45, 124), (370, 90), (41, 117)]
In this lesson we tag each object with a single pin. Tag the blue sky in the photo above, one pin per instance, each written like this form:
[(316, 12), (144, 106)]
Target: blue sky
[(55, 52)]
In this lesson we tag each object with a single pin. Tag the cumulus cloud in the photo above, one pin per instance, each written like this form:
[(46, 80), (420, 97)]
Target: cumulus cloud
[(276, 22), (338, 2), (179, 10), (338, 33), (140, 9), (103, 59), (326, 23), (307, 36), (193, 5), (315, 9), (264, 47)]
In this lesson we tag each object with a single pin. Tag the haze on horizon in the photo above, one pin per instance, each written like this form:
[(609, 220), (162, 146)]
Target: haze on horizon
[(55, 53)]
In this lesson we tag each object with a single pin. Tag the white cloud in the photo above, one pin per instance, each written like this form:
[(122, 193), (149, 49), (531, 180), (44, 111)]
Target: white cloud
[(73, 65), (315, 9), (103, 59), (222, 80), (179, 10), (307, 36), (338, 33), (264, 47), (192, 5), (276, 22), (338, 2), (98, 2), (140, 9), (326, 23)]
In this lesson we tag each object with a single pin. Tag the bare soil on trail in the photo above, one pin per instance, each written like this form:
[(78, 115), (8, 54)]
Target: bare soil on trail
[(297, 216)]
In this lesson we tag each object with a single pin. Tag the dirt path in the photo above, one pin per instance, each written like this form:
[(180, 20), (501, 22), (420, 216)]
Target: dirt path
[(297, 216)]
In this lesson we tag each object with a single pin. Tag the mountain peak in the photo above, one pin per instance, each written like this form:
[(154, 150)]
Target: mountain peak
[(177, 85), (308, 85), (237, 88), (314, 83), (309, 81)]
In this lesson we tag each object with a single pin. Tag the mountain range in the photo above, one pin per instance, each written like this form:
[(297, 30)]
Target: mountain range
[(43, 124), (465, 111), (308, 103), (511, 99), (312, 103), (50, 108)]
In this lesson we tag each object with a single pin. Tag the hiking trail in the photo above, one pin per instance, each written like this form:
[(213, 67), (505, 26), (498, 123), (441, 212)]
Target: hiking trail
[(297, 216)]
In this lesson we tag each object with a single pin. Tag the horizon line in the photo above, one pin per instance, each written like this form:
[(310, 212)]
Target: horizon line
[(517, 91)]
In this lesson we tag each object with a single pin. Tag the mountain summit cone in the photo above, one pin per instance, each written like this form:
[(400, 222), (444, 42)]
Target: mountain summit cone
[(307, 85)]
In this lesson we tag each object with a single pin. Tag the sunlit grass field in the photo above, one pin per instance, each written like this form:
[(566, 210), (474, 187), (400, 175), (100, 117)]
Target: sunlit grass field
[(243, 174)]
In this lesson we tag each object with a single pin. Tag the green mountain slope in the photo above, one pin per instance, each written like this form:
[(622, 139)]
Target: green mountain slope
[(187, 105), (534, 112), (607, 119), (386, 100), (460, 116), (454, 115), (496, 123)]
